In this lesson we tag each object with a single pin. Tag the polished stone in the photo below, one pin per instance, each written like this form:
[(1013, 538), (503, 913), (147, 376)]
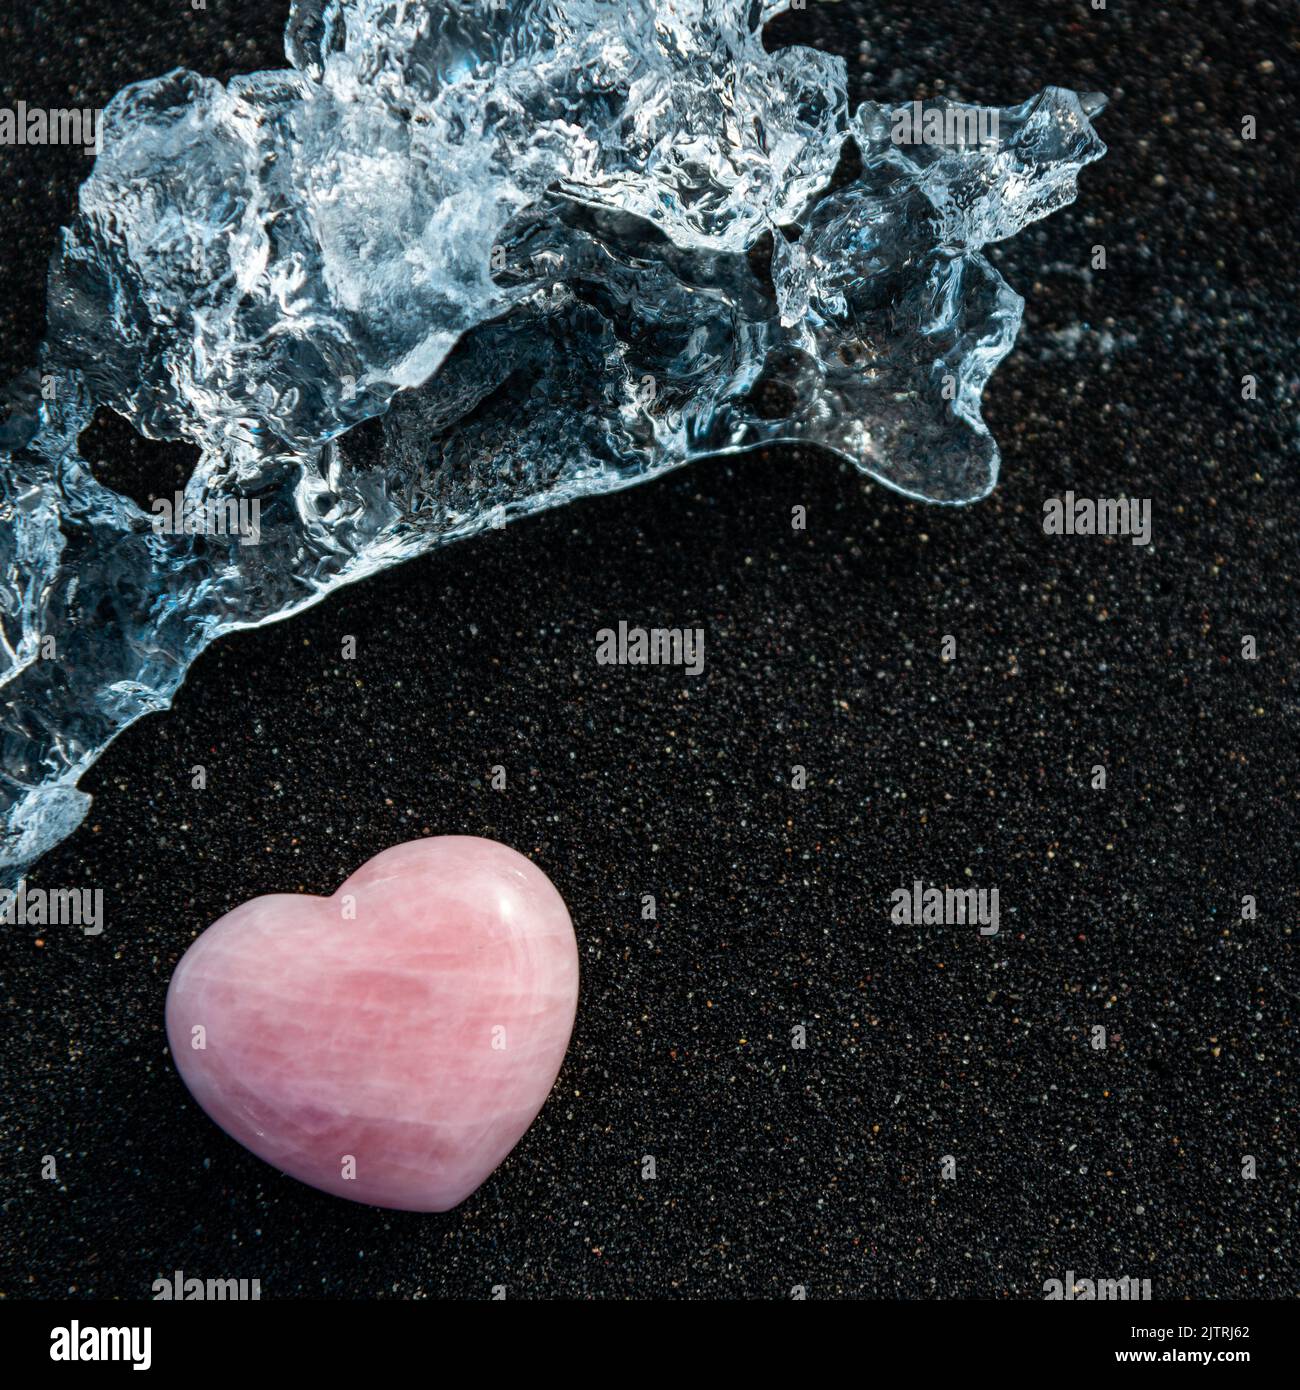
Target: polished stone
[(390, 1043)]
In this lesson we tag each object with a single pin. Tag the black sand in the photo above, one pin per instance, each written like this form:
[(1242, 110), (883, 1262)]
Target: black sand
[(1121, 907)]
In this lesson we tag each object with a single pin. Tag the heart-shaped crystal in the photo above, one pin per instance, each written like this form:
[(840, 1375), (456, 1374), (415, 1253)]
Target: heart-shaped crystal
[(390, 1043)]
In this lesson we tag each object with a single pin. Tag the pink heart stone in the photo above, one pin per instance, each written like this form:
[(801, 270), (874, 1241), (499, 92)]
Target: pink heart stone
[(392, 1043)]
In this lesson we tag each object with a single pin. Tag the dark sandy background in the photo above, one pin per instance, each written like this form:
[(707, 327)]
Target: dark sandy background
[(776, 1167)]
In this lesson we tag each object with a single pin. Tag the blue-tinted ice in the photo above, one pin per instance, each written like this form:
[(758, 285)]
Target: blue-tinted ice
[(560, 246)]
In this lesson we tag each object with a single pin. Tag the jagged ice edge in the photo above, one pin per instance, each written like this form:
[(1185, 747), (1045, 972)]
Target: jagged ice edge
[(521, 240)]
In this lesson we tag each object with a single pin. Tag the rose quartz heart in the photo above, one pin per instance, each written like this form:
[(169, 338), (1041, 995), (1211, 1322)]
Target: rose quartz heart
[(391, 1043)]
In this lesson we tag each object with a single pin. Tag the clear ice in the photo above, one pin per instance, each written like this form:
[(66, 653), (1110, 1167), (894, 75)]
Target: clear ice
[(550, 247)]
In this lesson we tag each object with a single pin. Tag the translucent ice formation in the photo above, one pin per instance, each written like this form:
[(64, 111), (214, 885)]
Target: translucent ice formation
[(550, 247)]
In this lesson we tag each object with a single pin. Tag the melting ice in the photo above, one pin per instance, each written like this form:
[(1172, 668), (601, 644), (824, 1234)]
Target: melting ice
[(550, 247)]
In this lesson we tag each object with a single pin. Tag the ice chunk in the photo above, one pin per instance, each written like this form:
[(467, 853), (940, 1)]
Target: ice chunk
[(557, 246)]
